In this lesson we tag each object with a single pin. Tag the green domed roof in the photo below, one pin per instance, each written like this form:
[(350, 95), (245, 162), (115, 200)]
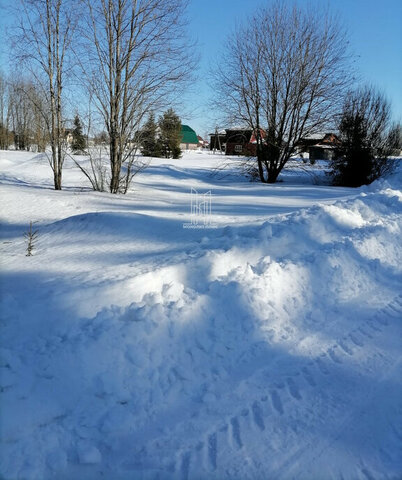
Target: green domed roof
[(188, 135)]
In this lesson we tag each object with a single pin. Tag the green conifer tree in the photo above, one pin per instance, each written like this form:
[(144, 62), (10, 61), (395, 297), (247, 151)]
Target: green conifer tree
[(170, 134), (368, 139), (79, 141), (148, 138)]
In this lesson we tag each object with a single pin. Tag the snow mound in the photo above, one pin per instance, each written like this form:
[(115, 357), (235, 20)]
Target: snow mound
[(142, 350)]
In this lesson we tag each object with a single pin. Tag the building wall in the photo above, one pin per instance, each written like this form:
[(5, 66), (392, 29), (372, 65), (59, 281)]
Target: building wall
[(318, 153), (233, 148), (188, 146)]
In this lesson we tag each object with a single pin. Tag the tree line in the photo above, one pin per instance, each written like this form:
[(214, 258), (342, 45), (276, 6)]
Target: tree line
[(128, 57), (285, 73), (21, 121)]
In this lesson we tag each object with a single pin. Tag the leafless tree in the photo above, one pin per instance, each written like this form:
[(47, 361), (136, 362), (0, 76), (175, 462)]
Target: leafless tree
[(136, 59), (43, 42), (5, 113), (27, 110), (283, 75), (21, 115), (40, 116)]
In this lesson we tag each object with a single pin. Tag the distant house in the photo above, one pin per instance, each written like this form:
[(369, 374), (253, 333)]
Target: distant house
[(202, 143), (243, 141), (236, 141), (189, 139), (320, 146)]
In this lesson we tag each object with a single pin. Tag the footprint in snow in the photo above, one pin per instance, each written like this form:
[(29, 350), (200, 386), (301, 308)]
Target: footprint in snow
[(258, 415), (235, 430), (276, 402), (294, 389)]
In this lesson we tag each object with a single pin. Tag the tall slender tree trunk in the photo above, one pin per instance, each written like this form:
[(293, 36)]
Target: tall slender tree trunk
[(115, 164), (57, 179), (55, 87)]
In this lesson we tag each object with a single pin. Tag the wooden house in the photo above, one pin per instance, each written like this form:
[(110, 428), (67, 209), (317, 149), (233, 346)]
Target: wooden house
[(320, 146), (236, 141)]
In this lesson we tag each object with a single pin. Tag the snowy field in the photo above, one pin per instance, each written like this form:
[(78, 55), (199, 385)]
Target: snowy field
[(265, 347)]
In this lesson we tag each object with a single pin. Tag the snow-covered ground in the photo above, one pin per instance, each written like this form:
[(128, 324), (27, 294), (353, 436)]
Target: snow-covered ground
[(266, 347)]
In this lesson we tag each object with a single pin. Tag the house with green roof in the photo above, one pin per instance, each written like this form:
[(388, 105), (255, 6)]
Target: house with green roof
[(189, 139)]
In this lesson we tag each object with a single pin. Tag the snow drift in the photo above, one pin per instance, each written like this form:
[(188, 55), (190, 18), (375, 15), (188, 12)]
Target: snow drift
[(133, 348)]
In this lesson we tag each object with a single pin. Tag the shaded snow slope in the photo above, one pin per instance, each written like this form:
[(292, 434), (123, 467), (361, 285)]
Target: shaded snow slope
[(268, 347)]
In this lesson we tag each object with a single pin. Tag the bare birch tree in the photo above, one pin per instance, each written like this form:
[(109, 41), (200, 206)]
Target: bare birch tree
[(283, 75), (46, 29), (137, 57)]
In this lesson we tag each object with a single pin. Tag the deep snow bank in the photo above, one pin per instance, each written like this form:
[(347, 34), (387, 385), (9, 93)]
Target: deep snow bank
[(252, 352)]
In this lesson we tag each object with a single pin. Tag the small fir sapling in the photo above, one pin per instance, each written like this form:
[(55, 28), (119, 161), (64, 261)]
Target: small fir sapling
[(31, 237)]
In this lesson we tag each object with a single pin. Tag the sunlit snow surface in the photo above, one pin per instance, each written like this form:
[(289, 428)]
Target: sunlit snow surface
[(266, 347)]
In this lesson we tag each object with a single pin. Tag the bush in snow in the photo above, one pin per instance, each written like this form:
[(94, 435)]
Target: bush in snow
[(367, 139)]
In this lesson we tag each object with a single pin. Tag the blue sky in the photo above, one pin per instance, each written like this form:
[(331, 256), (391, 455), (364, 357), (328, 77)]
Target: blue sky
[(374, 28)]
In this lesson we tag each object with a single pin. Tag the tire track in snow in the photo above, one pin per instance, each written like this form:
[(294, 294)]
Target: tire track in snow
[(312, 452), (364, 332), (344, 346), (356, 340), (237, 428), (308, 376), (321, 363), (333, 355), (395, 306)]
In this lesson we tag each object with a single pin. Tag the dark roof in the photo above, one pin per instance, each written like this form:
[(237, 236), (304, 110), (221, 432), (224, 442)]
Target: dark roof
[(320, 139), (188, 135)]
